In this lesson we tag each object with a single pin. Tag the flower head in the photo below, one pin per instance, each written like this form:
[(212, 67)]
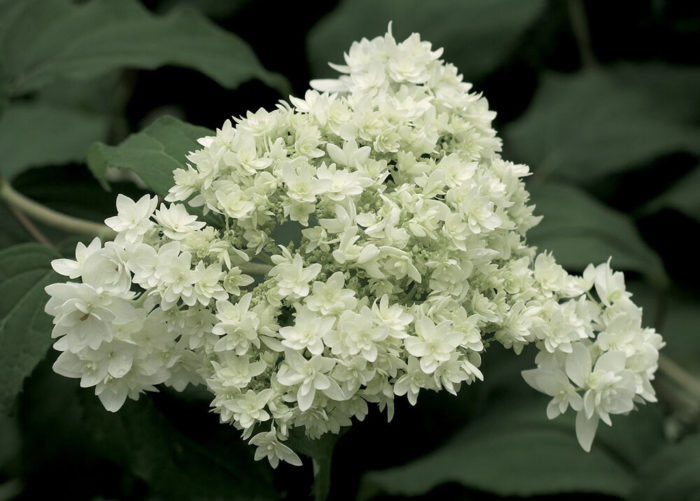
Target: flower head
[(371, 246)]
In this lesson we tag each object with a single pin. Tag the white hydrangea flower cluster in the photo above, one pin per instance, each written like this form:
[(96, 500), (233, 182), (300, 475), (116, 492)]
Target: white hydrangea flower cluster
[(407, 258)]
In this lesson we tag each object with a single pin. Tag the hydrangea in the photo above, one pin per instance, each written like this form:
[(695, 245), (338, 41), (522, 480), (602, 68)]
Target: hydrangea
[(370, 245)]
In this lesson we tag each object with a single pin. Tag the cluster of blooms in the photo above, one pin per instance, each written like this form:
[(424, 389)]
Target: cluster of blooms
[(370, 244)]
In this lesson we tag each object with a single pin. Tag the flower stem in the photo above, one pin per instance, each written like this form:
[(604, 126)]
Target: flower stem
[(51, 217), (579, 24), (30, 227), (254, 268), (679, 376)]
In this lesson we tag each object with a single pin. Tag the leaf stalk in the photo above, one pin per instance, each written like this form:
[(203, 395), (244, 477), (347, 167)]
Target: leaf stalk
[(51, 217)]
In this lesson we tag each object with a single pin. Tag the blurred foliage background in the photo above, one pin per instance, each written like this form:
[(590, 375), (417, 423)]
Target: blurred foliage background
[(601, 99)]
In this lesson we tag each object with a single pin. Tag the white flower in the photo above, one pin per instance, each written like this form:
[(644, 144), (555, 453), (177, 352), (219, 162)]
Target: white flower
[(234, 280), (301, 182), (307, 332), (356, 334), (186, 183), (176, 222), (340, 183), (176, 280), (350, 155), (143, 260), (609, 286), (84, 316), (133, 218), (94, 366), (232, 371), (232, 200), (310, 375), (268, 446), (330, 298), (74, 269), (106, 270), (433, 344), (553, 277), (363, 243), (292, 277), (237, 325), (394, 316), (207, 283), (609, 389), (249, 408), (554, 382), (412, 381)]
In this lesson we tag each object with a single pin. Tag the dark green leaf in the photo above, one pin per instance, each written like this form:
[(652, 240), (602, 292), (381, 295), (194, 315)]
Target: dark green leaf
[(35, 134), (683, 196), (584, 126), (153, 154), (12, 231), (141, 438), (513, 452), (48, 39), (89, 95), (671, 474), (25, 330), (215, 9), (477, 35), (622, 439), (578, 229), (50, 398), (676, 87), (10, 489)]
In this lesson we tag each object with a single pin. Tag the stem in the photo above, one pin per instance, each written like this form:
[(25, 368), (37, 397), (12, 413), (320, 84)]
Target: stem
[(667, 367), (322, 479), (254, 268), (20, 205), (679, 376), (30, 227), (321, 453), (687, 407), (579, 24), (52, 217)]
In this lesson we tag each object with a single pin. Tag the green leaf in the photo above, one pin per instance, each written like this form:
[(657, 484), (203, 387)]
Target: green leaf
[(25, 330), (153, 154), (34, 134), (12, 231), (214, 9), (140, 437), (43, 40), (513, 452), (671, 474), (584, 126), (11, 489), (477, 34), (675, 86), (579, 230), (89, 95), (682, 196)]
